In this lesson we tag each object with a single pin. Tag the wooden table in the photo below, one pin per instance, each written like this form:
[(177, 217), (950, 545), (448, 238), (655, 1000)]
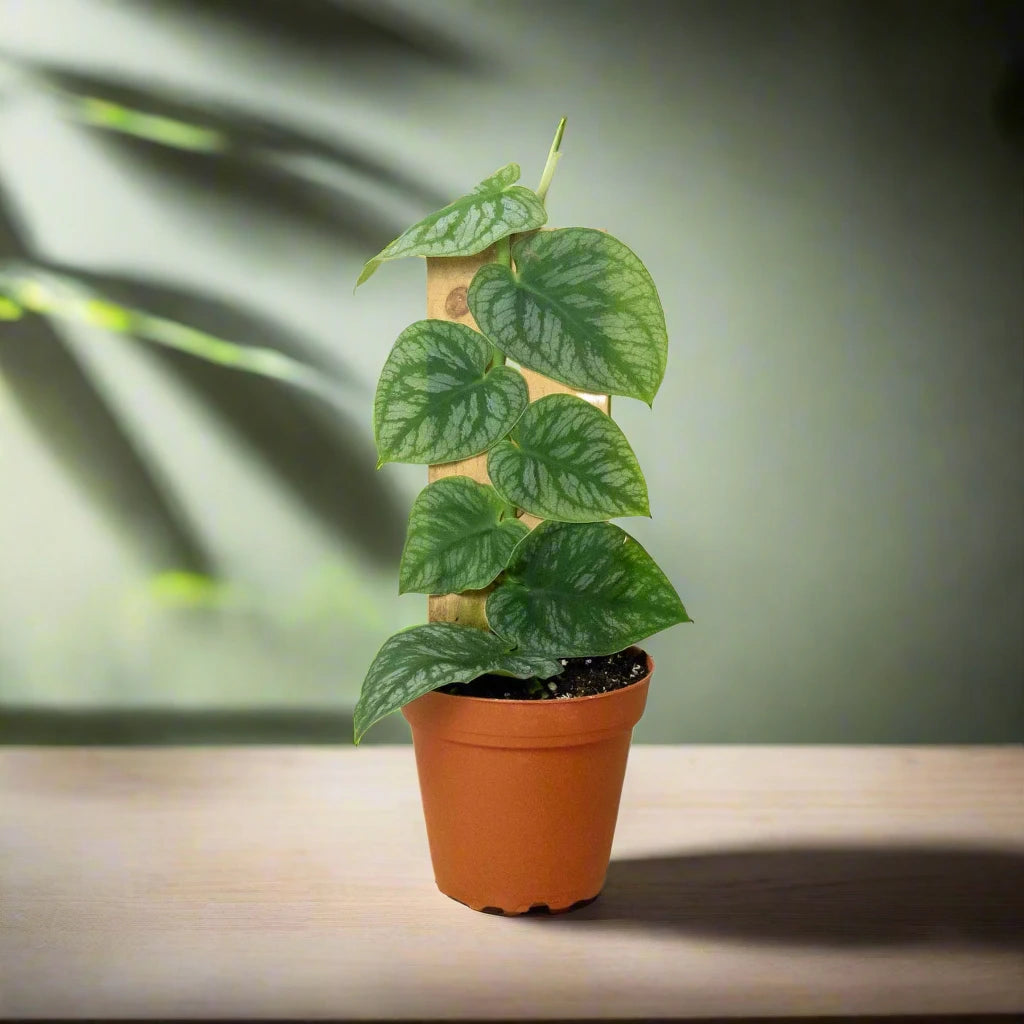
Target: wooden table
[(295, 882)]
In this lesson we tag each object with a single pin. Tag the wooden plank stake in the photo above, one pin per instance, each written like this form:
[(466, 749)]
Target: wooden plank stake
[(447, 285)]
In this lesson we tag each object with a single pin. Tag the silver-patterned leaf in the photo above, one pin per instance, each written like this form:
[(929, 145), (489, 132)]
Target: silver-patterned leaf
[(566, 460), (437, 402), (495, 209), (460, 536), (579, 307), (424, 658), (580, 590)]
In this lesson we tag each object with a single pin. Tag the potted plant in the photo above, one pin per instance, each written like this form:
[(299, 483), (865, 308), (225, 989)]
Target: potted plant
[(523, 689)]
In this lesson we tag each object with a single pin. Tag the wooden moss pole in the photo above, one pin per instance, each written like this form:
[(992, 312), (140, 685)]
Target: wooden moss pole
[(448, 282)]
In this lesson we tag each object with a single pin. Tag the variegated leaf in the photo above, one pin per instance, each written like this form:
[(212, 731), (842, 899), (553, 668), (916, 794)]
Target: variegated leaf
[(461, 534), (437, 402), (581, 589), (566, 460), (579, 307), (424, 658), (495, 209)]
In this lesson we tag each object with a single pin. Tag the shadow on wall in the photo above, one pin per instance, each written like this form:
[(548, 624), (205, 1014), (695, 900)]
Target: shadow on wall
[(837, 896), (199, 152), (105, 727), (325, 30)]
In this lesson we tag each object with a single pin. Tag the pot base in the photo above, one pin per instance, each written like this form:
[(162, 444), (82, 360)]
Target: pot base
[(534, 909)]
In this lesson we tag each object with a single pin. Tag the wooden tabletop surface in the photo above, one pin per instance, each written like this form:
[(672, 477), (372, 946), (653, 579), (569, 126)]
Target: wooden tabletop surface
[(295, 882)]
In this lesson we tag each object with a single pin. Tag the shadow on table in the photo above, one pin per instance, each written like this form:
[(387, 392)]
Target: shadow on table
[(821, 895)]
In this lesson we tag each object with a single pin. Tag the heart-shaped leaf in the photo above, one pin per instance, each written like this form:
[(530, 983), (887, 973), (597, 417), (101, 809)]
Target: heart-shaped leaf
[(495, 209), (579, 307), (437, 402), (461, 534), (423, 658), (566, 460), (581, 589)]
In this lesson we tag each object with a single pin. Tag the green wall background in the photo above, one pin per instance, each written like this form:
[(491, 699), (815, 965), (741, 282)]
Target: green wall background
[(836, 460)]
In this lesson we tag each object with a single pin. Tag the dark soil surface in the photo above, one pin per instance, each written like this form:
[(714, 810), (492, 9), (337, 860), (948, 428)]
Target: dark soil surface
[(581, 677)]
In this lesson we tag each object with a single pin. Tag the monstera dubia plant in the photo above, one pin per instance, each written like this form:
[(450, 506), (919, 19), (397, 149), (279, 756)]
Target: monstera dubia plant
[(518, 512), (576, 305)]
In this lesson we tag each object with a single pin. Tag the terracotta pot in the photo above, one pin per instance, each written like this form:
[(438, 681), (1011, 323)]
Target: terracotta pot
[(520, 796)]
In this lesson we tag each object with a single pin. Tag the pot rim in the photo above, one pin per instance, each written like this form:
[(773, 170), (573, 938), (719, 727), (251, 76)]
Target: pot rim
[(513, 722)]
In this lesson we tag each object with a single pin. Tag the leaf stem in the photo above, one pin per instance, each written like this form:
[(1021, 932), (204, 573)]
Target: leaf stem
[(553, 158), (503, 251)]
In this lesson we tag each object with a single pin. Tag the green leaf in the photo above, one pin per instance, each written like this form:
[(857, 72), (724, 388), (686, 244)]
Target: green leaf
[(579, 307), (461, 534), (423, 658), (495, 209), (581, 589), (437, 402), (568, 461)]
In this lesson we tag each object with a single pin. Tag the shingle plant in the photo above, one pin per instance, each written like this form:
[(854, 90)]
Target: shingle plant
[(576, 305)]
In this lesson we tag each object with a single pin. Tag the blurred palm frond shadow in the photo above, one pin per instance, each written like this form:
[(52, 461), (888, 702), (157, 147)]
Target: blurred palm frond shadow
[(217, 152), (208, 154)]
